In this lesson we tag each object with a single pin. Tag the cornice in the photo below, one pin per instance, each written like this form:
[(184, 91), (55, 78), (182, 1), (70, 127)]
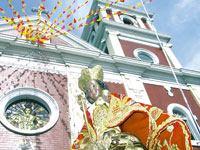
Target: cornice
[(88, 57), (135, 32), (121, 7)]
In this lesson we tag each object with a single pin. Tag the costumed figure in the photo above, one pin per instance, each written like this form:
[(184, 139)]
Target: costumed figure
[(117, 122)]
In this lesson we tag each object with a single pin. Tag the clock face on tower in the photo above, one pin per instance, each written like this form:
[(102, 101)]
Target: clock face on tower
[(27, 114)]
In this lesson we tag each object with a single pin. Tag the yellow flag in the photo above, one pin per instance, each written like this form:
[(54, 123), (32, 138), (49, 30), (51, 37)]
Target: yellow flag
[(20, 27), (99, 19), (30, 22), (39, 20), (10, 22), (55, 26), (42, 40), (124, 11), (138, 4), (107, 4), (59, 3), (33, 39)]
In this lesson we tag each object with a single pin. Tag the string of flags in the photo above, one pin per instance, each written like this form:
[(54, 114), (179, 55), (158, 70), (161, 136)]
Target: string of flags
[(59, 26)]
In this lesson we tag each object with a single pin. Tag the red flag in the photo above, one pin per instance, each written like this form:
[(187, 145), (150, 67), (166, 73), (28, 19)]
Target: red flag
[(63, 27), (119, 12), (48, 16)]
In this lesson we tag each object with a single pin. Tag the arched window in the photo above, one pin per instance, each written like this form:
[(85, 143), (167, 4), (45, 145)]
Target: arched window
[(183, 113), (92, 36), (129, 20)]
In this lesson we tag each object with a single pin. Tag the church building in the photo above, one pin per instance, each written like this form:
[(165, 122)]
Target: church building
[(39, 82)]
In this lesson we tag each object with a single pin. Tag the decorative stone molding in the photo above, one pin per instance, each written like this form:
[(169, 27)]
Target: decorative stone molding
[(135, 89), (25, 144), (168, 89), (33, 65)]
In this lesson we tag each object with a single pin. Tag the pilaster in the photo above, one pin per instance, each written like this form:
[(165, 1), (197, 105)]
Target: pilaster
[(171, 55), (116, 18), (195, 92), (113, 44), (150, 25), (141, 24)]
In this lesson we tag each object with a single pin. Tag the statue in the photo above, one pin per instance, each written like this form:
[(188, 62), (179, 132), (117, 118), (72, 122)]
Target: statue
[(117, 122)]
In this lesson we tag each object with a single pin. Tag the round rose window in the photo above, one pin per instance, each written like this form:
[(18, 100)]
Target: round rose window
[(28, 111), (27, 114)]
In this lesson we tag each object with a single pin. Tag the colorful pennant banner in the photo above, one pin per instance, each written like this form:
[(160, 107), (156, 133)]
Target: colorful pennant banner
[(58, 27)]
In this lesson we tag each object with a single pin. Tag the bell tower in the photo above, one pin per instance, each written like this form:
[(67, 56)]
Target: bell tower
[(119, 30)]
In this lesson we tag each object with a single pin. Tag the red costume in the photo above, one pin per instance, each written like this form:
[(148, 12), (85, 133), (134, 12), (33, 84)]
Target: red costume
[(156, 130)]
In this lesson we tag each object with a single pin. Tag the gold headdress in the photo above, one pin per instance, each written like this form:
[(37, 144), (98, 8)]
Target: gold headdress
[(96, 73)]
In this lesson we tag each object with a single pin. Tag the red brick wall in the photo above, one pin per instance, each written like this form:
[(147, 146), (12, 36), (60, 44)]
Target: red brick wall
[(116, 88), (159, 97), (58, 137), (129, 47)]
